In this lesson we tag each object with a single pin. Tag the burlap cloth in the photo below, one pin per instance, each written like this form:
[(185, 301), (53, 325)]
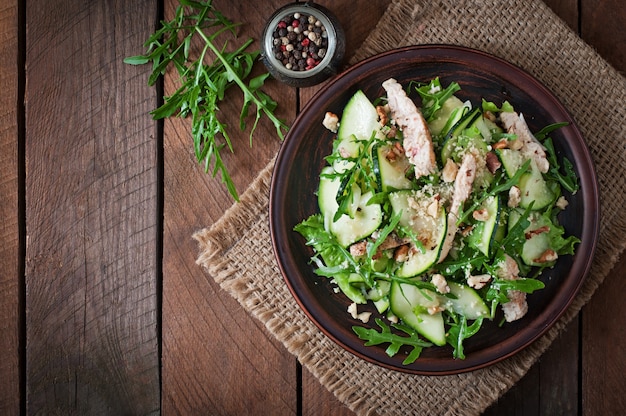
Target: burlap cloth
[(526, 33)]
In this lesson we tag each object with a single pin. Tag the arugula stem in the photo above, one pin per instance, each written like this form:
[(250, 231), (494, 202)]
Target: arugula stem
[(244, 88), (204, 85)]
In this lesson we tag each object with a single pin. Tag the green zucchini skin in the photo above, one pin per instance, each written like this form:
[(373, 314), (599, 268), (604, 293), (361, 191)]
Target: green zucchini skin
[(413, 209), (421, 308), (411, 305), (365, 219), (484, 231)]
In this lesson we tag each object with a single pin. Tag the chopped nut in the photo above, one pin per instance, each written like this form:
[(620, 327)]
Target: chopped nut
[(501, 144), (478, 281), (492, 161), (398, 149), (382, 115), (530, 234), (363, 316), (391, 156), (358, 249), (465, 230), (515, 197), (547, 256), (401, 253), (562, 203), (433, 208), (434, 309), (450, 171), (480, 214), (440, 283), (392, 241), (331, 121)]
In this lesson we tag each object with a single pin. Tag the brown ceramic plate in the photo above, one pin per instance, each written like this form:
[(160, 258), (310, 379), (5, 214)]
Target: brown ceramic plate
[(296, 178)]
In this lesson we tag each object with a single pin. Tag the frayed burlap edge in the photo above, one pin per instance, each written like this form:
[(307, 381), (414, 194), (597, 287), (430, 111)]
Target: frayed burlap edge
[(469, 393)]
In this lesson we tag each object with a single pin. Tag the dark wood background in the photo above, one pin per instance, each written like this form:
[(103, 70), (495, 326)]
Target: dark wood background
[(102, 307)]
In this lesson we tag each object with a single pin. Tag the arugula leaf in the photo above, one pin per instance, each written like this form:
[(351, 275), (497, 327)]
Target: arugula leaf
[(434, 95), (459, 331), (568, 178), (205, 80), (526, 285), (544, 132), (490, 106), (556, 232), (384, 233), (357, 175), (395, 341), (463, 264), (514, 241), (336, 262)]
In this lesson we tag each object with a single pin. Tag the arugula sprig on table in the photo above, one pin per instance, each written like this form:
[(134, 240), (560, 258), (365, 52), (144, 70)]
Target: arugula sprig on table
[(205, 78)]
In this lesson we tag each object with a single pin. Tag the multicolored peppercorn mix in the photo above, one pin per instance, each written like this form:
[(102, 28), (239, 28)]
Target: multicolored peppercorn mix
[(300, 42)]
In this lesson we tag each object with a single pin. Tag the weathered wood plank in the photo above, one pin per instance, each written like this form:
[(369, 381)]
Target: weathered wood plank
[(91, 211), (217, 359), (551, 386), (10, 67), (602, 26), (603, 338), (604, 347)]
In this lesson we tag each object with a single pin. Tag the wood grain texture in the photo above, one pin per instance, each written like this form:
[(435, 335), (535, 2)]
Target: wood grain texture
[(602, 26), (91, 214), (9, 226), (566, 10), (217, 359), (604, 346)]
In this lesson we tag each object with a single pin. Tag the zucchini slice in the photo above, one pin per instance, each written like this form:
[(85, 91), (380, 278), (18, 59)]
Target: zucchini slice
[(467, 303), (539, 242), (365, 219), (390, 171), (532, 184), (359, 122), (484, 232), (450, 112), (511, 160), (411, 305), (416, 214), (534, 188), (450, 148)]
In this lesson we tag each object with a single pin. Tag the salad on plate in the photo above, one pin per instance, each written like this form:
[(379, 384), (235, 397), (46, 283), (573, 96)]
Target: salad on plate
[(440, 212)]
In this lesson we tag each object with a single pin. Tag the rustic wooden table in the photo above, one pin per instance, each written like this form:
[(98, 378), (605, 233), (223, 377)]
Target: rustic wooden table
[(102, 307)]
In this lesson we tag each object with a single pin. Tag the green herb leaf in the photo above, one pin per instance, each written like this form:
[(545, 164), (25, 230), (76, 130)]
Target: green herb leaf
[(567, 177), (395, 341), (544, 132), (490, 106), (204, 81), (459, 332), (434, 95)]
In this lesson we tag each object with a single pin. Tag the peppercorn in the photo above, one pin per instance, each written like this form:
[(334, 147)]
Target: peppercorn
[(300, 41)]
